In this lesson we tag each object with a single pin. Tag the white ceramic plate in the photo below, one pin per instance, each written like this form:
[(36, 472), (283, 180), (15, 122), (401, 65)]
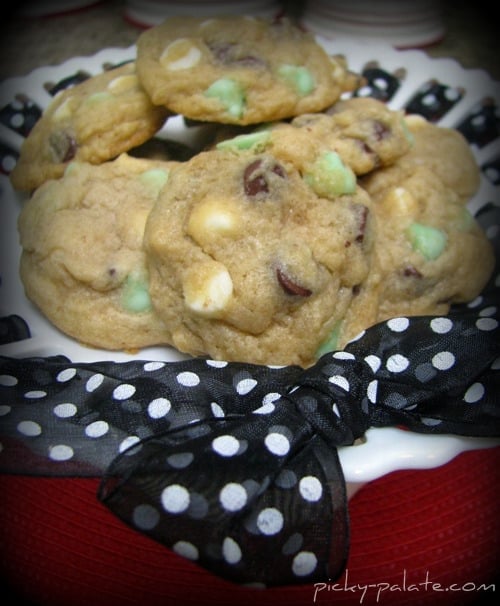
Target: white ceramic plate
[(404, 78)]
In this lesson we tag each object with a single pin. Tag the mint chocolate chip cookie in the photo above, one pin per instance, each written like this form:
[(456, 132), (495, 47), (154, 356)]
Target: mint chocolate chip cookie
[(82, 262), (237, 70), (94, 121), (258, 248), (430, 251)]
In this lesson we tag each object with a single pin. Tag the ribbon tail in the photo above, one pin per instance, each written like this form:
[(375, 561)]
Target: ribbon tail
[(242, 508)]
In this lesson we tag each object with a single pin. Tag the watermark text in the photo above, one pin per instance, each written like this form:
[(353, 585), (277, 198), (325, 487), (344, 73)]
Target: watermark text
[(380, 589)]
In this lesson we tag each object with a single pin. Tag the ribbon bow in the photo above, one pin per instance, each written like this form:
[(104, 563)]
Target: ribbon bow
[(235, 465)]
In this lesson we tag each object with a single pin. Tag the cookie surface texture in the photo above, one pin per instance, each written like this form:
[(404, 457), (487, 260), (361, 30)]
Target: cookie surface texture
[(237, 70), (256, 249), (82, 262), (94, 121), (366, 133)]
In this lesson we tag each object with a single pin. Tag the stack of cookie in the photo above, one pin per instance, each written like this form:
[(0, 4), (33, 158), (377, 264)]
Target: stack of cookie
[(307, 218)]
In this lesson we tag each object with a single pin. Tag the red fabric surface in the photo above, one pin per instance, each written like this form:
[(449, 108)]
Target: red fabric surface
[(417, 537)]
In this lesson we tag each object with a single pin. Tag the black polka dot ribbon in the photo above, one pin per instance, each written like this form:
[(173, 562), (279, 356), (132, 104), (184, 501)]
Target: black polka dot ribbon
[(235, 465)]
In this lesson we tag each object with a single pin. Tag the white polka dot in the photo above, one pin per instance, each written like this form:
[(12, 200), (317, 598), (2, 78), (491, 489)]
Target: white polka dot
[(271, 397), (474, 393), (431, 422), (266, 409), (66, 375), (127, 443), (35, 394), (492, 232), (364, 91), (66, 410), (17, 120), (152, 366), (94, 382), (4, 410), (8, 163), (310, 488), (398, 324), (336, 410), (476, 302), (443, 360), (381, 83), (397, 363), (441, 325), (340, 381), (371, 391), (226, 446), (373, 362), (188, 379), (180, 460), (429, 100), (488, 311), (97, 429), (145, 517), (8, 381), (343, 355), (61, 452), (159, 407), (277, 444), (186, 550), (216, 363), (217, 410), (123, 392), (231, 551), (496, 364), (175, 498), (245, 386), (233, 497), (270, 521), (29, 428), (486, 324), (304, 563), (492, 173)]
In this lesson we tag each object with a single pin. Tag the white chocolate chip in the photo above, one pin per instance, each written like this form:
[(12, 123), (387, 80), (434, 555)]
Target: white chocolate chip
[(64, 111), (212, 218), (415, 121), (123, 83), (207, 288), (399, 201), (180, 54)]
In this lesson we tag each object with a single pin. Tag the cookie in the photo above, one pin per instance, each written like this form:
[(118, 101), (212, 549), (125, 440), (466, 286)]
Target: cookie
[(430, 252), (444, 151), (237, 70), (82, 262), (93, 121), (366, 133), (257, 249)]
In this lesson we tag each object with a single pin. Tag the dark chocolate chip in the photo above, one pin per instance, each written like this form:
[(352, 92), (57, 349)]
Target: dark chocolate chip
[(254, 177), (362, 212), (63, 146), (381, 130), (411, 271), (228, 53), (291, 287)]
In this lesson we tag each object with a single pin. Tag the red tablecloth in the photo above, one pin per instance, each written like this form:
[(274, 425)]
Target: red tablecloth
[(417, 537)]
